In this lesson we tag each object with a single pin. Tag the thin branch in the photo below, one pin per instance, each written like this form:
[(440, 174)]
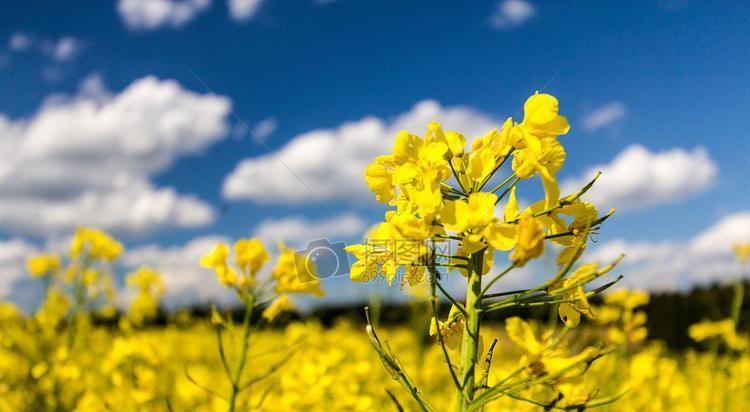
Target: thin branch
[(496, 278), (222, 355), (393, 366), (208, 390), (508, 189), (270, 371), (546, 300), (455, 174), (503, 183), (501, 294), (453, 301), (263, 396), (497, 167), (399, 408), (442, 342)]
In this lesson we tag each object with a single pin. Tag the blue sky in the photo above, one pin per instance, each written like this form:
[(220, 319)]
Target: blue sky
[(661, 86)]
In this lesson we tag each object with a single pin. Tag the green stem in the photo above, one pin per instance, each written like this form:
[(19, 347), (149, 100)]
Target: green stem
[(79, 295), (249, 304), (470, 339), (739, 295)]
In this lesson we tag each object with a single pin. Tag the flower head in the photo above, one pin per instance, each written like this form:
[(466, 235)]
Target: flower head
[(96, 244), (43, 264)]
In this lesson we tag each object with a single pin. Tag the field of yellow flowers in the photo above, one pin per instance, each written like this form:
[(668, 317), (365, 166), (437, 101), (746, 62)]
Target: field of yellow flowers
[(78, 352), (177, 368)]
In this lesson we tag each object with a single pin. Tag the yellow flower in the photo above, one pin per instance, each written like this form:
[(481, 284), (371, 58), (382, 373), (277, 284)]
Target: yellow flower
[(96, 244), (43, 265), (53, 310), (379, 178), (295, 273), (723, 330), (416, 166), (251, 255), (451, 330), (627, 299), (366, 268), (279, 305), (481, 164), (427, 196), (535, 141), (502, 236), (474, 214), (411, 149), (570, 312), (529, 240), (456, 143), (216, 259), (545, 357), (546, 161), (541, 117), (146, 280)]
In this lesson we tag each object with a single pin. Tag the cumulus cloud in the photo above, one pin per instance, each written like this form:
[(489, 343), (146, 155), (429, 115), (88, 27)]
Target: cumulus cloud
[(328, 163), (297, 231), (242, 10), (669, 265), (145, 15), (638, 178), (13, 253), (89, 159), (604, 116), (510, 14)]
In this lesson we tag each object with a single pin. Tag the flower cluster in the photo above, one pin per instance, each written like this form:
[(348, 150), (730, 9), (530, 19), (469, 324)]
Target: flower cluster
[(291, 274), (443, 192), (415, 180), (150, 289), (623, 316), (722, 331)]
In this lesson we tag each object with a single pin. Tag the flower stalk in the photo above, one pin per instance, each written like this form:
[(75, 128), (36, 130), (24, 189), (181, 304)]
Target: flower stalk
[(470, 340)]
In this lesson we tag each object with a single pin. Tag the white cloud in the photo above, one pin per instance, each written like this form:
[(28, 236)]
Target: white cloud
[(665, 265), (89, 159), (153, 14), (719, 238), (20, 41), (264, 128), (604, 116), (331, 162), (297, 231), (638, 178), (13, 253), (63, 49), (242, 10), (185, 281), (58, 50), (511, 14)]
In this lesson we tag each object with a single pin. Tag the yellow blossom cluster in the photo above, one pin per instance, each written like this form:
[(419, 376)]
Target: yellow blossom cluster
[(291, 274), (443, 193), (623, 316)]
